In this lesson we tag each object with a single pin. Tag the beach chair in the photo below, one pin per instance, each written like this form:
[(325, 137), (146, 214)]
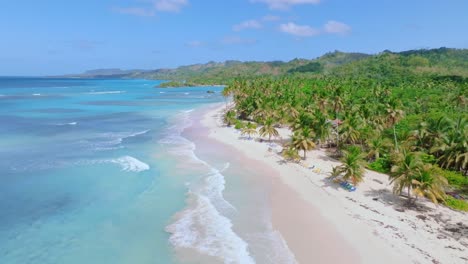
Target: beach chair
[(348, 186)]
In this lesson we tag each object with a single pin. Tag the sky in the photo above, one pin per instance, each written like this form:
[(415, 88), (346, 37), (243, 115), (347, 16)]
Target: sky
[(51, 37)]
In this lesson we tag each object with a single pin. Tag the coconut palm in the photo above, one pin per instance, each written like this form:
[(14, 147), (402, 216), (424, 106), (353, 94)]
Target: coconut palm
[(250, 129), (350, 129), (321, 127), (429, 183), (377, 146), (302, 140), (394, 114), (268, 129), (353, 165), (230, 117), (290, 154), (335, 172), (406, 169), (452, 147)]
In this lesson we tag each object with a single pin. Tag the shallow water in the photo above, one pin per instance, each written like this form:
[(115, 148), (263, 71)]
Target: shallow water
[(228, 212), (117, 171), (86, 174)]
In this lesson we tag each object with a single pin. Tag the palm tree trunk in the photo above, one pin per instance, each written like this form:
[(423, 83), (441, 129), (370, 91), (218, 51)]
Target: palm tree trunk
[(394, 136), (409, 193), (305, 154)]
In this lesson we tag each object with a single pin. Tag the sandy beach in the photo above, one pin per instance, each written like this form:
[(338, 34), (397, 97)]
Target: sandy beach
[(324, 223)]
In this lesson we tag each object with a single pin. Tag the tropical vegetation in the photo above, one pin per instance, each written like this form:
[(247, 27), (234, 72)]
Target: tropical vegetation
[(397, 113)]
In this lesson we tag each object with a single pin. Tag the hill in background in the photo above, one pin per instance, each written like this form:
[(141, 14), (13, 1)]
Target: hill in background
[(442, 62)]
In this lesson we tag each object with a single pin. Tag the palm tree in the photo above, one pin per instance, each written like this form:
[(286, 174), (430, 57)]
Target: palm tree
[(336, 172), (302, 140), (321, 127), (250, 129), (230, 117), (377, 146), (290, 154), (353, 165), (350, 129), (268, 129), (394, 114), (451, 148), (429, 183), (406, 169)]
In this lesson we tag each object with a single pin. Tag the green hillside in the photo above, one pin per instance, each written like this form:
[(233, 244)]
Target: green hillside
[(442, 63)]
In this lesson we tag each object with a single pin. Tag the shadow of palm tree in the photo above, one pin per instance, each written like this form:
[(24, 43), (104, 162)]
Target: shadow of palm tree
[(328, 182), (398, 202)]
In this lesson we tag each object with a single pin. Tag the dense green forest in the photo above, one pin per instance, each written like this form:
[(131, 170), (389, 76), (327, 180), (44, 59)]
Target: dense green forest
[(443, 62), (404, 114)]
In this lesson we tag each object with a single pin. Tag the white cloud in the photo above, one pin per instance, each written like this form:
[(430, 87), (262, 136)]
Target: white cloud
[(154, 7), (249, 24), (335, 27), (169, 5), (284, 4), (135, 11), (231, 40), (298, 30)]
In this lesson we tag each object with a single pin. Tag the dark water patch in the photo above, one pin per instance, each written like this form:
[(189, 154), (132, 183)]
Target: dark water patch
[(25, 200), (35, 126)]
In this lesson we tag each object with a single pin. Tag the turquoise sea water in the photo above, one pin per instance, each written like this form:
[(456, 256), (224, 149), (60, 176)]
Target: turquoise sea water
[(91, 170)]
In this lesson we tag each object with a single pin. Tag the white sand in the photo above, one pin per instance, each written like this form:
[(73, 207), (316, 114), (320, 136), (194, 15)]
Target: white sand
[(381, 231)]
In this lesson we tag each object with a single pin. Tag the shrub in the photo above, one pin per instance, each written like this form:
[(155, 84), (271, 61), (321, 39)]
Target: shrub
[(427, 158), (455, 179), (382, 165), (456, 204), (239, 124)]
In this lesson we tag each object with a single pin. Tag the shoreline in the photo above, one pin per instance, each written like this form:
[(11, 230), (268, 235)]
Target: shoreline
[(371, 220)]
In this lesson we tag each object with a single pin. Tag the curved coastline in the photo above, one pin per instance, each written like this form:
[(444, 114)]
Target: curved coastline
[(322, 222)]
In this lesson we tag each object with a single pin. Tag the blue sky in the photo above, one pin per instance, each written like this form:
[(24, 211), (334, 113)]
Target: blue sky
[(56, 37)]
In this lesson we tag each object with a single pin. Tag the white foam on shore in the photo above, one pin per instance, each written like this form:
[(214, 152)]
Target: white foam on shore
[(203, 225)]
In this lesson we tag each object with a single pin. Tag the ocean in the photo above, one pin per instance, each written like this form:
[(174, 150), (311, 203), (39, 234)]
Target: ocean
[(115, 171)]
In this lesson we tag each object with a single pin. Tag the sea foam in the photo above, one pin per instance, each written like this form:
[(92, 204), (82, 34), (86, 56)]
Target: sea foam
[(203, 225), (128, 163)]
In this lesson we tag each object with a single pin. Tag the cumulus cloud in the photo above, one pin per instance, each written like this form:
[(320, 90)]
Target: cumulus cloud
[(331, 27), (153, 7), (169, 5), (298, 30), (135, 11), (249, 24), (335, 27), (284, 4)]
